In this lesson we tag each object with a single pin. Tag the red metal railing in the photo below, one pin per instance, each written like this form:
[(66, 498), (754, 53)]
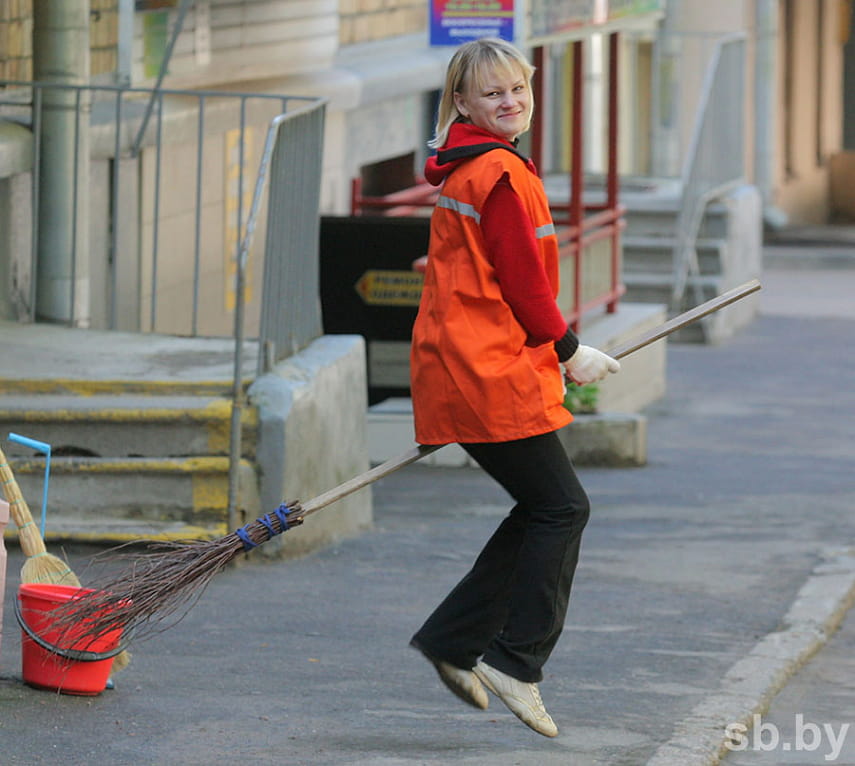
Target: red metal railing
[(413, 200), (580, 225)]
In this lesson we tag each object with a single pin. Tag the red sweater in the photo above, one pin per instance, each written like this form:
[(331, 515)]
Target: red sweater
[(511, 243)]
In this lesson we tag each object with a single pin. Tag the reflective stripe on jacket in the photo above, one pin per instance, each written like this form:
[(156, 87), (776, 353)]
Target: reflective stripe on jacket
[(473, 378)]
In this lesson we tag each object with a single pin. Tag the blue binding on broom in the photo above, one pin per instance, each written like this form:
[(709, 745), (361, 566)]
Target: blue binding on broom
[(281, 514)]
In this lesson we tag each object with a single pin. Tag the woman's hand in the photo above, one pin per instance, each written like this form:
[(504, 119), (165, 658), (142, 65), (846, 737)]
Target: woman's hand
[(588, 365)]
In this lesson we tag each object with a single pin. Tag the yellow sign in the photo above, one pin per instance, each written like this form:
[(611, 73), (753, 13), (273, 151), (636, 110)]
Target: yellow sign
[(379, 287)]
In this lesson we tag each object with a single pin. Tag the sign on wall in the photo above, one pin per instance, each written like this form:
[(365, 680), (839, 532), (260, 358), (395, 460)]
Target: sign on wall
[(453, 22), (154, 5)]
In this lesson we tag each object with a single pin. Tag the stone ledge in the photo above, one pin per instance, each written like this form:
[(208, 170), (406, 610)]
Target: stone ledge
[(608, 439), (615, 439)]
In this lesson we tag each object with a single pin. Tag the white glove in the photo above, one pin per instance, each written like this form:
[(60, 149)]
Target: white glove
[(588, 365)]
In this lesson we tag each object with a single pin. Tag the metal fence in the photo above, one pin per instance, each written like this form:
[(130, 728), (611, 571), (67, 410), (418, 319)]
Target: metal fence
[(290, 306), (130, 140)]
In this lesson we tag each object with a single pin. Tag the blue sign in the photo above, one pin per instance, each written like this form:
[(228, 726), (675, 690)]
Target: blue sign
[(453, 22)]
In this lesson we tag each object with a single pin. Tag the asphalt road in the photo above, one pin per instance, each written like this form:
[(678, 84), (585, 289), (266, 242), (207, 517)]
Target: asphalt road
[(688, 564)]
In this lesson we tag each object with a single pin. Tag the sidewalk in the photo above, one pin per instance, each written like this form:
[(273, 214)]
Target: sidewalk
[(707, 577), (811, 720)]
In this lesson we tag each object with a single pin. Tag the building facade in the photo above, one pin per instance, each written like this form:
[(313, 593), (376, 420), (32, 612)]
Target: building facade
[(373, 62)]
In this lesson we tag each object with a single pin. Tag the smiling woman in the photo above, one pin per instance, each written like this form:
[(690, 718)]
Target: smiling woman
[(489, 349)]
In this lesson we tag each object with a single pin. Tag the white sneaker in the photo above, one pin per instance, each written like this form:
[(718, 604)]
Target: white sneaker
[(464, 684), (523, 699)]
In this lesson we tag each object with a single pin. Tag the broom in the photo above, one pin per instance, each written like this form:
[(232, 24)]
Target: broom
[(39, 565), (172, 576)]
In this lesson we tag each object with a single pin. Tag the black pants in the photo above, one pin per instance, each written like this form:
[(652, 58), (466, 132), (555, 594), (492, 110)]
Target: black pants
[(510, 607)]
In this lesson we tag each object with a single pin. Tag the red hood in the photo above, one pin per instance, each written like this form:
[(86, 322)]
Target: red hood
[(462, 134)]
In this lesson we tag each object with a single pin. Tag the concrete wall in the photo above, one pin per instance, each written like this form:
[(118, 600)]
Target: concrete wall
[(233, 40), (312, 437)]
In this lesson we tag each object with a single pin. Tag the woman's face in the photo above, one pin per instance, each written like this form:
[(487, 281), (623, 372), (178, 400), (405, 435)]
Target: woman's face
[(500, 104)]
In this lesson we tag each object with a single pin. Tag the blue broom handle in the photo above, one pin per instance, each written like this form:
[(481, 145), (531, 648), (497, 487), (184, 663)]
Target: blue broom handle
[(43, 447)]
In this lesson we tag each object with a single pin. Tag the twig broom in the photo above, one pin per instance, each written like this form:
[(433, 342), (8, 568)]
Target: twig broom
[(172, 576), (39, 565)]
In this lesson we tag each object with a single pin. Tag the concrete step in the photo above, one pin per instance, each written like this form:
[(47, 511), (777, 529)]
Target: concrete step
[(139, 428), (656, 288), (112, 500), (657, 218), (655, 255), (126, 425), (113, 386)]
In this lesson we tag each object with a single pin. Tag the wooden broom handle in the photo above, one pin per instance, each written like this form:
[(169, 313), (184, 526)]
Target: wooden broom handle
[(624, 349), (369, 477), (686, 318)]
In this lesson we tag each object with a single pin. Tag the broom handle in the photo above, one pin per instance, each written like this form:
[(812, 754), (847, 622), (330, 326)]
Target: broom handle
[(624, 349), (18, 508), (369, 477), (686, 318)]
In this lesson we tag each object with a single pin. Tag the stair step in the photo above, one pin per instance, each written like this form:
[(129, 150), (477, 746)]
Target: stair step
[(119, 386), (644, 254), (120, 499), (47, 358), (656, 288), (123, 425), (647, 280), (658, 220)]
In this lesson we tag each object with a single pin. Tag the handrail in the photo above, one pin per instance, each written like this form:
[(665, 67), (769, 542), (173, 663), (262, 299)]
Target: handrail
[(707, 173), (267, 340)]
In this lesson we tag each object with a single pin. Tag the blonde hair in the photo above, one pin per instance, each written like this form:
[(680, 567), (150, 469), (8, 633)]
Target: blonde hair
[(470, 64)]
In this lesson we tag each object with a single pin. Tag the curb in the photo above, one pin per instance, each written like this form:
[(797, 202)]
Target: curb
[(749, 686)]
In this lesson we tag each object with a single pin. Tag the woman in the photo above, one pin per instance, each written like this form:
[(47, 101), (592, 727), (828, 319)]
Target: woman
[(490, 350)]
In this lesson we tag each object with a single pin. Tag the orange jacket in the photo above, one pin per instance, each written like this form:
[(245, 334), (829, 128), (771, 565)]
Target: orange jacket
[(473, 378)]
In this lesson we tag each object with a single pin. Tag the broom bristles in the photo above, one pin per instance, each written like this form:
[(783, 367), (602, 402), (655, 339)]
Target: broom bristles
[(49, 569), (165, 580)]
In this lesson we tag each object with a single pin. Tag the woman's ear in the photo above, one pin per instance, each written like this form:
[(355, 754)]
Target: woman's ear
[(460, 103)]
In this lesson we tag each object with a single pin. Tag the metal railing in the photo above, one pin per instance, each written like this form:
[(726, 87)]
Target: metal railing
[(135, 226), (715, 159), (581, 224), (290, 305)]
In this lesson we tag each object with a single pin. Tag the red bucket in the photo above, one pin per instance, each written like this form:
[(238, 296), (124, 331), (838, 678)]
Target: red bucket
[(80, 666)]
